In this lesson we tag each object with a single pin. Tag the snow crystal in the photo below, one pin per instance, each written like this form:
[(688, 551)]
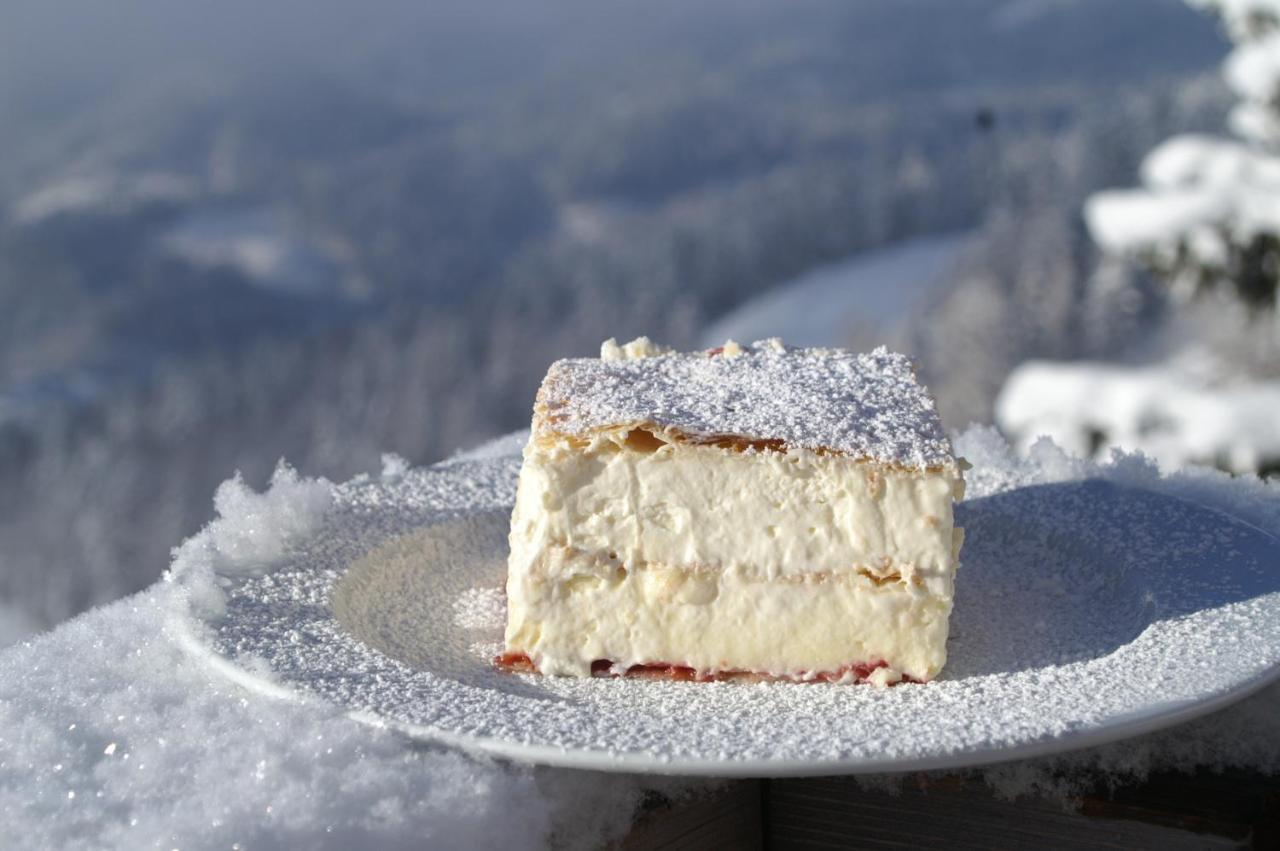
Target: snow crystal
[(864, 405), (393, 467)]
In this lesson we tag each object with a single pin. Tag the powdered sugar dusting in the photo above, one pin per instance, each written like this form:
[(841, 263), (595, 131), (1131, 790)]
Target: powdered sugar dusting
[(1088, 595), (864, 405), (480, 608)]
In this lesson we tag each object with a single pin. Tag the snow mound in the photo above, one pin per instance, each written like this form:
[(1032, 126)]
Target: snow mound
[(114, 739), (254, 529)]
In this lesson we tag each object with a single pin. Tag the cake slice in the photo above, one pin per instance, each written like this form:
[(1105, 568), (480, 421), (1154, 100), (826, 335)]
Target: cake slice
[(752, 509)]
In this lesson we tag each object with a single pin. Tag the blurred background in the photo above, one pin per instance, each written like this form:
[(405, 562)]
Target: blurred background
[(233, 232)]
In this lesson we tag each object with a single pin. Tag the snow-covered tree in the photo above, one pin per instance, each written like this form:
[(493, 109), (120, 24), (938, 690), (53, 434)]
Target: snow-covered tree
[(1207, 217)]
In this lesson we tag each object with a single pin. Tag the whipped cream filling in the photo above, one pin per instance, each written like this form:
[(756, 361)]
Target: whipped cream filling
[(761, 514), (595, 609), (635, 549)]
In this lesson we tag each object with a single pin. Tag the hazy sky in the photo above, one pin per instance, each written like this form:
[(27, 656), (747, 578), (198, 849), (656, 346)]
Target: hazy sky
[(77, 46)]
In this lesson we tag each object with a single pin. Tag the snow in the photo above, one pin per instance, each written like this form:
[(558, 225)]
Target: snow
[(1253, 69), (113, 738), (1242, 17), (1200, 191), (1170, 411), (253, 530), (509, 444), (1180, 162), (1254, 121), (115, 735), (1206, 199), (1253, 72), (261, 244), (874, 289), (109, 193)]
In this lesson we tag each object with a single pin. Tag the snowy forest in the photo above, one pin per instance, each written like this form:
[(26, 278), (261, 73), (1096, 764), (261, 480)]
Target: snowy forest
[(1200, 385), (370, 234)]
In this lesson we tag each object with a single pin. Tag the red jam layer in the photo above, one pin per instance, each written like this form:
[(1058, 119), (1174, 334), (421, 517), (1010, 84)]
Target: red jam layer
[(521, 663)]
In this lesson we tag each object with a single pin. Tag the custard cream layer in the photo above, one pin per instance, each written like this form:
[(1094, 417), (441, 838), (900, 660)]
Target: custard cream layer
[(764, 514), (713, 622), (646, 551)]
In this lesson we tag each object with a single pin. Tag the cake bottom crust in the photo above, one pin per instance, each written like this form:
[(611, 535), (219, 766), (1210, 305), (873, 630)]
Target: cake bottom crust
[(591, 616)]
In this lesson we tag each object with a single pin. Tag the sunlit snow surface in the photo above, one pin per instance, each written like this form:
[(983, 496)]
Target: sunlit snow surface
[(824, 307), (114, 736)]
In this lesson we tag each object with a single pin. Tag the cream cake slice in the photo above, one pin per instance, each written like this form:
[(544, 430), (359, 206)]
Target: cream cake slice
[(761, 509)]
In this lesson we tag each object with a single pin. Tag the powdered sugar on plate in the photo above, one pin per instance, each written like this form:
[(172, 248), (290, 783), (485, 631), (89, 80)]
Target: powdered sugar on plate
[(1093, 602)]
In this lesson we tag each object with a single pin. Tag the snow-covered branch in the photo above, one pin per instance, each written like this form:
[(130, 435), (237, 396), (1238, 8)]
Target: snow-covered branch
[(1208, 213)]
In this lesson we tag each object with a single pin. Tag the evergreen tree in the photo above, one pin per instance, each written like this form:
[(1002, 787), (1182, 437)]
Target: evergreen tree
[(1207, 217)]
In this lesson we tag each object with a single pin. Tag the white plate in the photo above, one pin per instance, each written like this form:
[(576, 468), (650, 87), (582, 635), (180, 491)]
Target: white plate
[(1086, 611)]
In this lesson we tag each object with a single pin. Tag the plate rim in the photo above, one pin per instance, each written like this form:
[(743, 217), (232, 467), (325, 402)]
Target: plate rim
[(1163, 716), (1159, 717)]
